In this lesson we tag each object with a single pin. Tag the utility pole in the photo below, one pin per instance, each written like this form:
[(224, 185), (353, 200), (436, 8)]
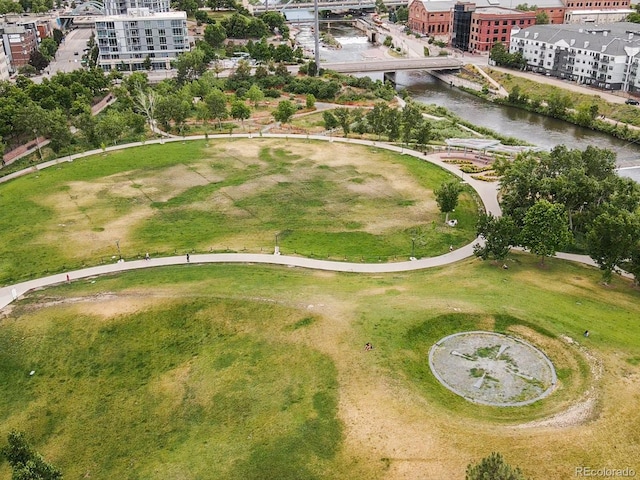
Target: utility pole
[(317, 35)]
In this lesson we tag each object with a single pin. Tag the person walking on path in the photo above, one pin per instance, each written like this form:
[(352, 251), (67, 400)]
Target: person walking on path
[(187, 258)]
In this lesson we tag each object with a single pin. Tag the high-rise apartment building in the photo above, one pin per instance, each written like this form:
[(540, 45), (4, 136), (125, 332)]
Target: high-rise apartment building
[(134, 30)]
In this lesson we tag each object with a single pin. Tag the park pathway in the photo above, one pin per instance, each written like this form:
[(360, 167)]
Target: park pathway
[(485, 190)]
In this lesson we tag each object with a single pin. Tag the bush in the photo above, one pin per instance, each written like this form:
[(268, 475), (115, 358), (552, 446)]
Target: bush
[(272, 93)]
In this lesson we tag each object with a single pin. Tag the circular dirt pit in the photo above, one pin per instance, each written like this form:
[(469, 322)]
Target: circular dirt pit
[(492, 369)]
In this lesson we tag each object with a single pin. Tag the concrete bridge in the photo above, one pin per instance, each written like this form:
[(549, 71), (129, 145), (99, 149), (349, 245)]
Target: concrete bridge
[(390, 67)]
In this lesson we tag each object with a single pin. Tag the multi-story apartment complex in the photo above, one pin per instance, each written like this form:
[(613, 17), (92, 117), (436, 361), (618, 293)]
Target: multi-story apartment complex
[(126, 40), (606, 57), (120, 7)]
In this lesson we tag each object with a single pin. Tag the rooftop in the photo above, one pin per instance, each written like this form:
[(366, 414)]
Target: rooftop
[(611, 38)]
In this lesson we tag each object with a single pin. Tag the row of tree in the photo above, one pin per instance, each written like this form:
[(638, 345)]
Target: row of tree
[(566, 198), (407, 124)]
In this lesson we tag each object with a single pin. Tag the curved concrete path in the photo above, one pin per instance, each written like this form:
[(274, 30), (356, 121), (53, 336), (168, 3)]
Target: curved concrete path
[(486, 191)]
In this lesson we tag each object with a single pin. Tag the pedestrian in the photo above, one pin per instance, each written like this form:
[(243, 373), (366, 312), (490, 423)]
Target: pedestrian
[(68, 279), (586, 333), (146, 257), (451, 248), (187, 258)]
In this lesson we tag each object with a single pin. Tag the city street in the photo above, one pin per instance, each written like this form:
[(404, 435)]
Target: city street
[(66, 60)]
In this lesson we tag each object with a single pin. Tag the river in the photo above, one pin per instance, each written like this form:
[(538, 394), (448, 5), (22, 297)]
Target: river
[(533, 128)]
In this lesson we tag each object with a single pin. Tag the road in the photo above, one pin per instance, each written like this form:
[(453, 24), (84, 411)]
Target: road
[(66, 60)]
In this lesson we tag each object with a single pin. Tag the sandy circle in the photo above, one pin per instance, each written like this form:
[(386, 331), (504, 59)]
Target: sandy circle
[(492, 369)]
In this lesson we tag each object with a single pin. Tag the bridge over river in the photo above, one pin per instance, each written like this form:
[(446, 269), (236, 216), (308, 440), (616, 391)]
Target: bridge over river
[(392, 66)]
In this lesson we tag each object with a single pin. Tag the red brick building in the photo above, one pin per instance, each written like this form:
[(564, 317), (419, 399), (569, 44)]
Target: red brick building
[(555, 14), (490, 25), (19, 44), (430, 18)]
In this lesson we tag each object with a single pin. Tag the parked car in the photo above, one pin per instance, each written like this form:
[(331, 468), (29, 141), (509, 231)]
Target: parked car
[(632, 101)]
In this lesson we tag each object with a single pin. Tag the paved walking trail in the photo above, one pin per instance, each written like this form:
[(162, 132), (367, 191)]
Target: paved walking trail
[(486, 191)]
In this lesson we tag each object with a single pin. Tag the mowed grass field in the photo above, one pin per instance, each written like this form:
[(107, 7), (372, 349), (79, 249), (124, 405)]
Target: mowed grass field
[(257, 372), (323, 200)]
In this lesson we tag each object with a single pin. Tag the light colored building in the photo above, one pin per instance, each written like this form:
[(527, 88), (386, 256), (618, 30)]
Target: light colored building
[(597, 17), (606, 57), (120, 7), (4, 64), (125, 41)]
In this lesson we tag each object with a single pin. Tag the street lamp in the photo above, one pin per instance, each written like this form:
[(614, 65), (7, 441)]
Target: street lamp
[(118, 246), (413, 248), (277, 249)]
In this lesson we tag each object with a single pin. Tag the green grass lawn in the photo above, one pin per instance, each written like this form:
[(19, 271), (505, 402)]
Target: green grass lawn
[(322, 200), (237, 372), (540, 91)]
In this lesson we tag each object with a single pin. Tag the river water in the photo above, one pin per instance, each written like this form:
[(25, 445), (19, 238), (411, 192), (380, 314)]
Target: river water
[(533, 128)]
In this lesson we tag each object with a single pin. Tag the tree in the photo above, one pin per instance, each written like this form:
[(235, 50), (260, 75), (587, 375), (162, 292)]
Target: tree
[(284, 111), (493, 467), (499, 235), (558, 103), (58, 35), (48, 47), (190, 65), (26, 463), (392, 124), (145, 102), (111, 126), (255, 95), (545, 229), (411, 117), (586, 113), (215, 35), (310, 101), (38, 61), (217, 103), (611, 239), (376, 118), (344, 119), (172, 107), (423, 133), (240, 111), (236, 26), (542, 18), (402, 14), (447, 197), (202, 17), (330, 120), (146, 64)]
